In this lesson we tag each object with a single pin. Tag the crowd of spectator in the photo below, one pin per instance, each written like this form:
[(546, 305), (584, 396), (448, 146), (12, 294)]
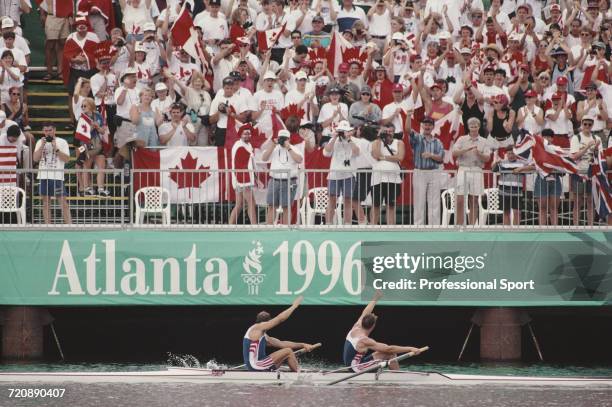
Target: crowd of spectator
[(368, 83)]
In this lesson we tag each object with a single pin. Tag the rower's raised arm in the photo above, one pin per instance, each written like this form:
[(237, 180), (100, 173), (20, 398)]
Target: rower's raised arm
[(370, 307), (282, 317)]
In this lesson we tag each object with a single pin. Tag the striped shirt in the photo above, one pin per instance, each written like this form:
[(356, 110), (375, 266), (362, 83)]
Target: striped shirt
[(421, 144)]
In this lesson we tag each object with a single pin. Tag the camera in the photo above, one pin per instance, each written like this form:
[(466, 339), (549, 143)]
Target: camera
[(48, 139), (347, 163), (282, 140), (120, 43), (223, 107), (341, 135), (247, 25)]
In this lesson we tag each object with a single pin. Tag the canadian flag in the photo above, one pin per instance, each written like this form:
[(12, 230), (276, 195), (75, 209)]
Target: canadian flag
[(448, 129), (594, 70), (8, 165), (190, 174), (268, 38), (181, 29), (334, 52), (83, 129)]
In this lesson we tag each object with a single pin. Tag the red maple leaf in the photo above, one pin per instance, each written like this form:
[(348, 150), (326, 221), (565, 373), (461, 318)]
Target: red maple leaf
[(190, 179)]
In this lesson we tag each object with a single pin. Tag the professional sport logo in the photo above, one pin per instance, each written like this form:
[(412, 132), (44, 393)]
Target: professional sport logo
[(251, 265)]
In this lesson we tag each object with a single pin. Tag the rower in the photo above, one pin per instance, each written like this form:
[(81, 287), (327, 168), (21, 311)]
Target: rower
[(361, 351), (256, 339)]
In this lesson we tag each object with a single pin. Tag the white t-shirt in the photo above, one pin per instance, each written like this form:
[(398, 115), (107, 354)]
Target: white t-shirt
[(530, 123), (20, 43), (388, 111), (364, 159), (380, 24), (271, 100), (327, 112), (237, 103), (97, 81), (282, 163), (341, 153), (179, 139), (131, 99), (212, 28), (221, 70), (489, 92), (162, 106), (560, 126), (50, 161)]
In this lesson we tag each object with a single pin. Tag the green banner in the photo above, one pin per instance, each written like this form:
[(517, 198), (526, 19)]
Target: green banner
[(272, 267)]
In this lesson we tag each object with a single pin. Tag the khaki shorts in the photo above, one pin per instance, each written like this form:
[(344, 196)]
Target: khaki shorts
[(56, 28), (469, 181)]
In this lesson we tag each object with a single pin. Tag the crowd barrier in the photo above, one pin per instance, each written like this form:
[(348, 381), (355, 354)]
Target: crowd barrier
[(207, 198)]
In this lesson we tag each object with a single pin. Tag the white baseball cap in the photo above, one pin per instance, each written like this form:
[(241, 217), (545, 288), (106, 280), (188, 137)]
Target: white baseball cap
[(269, 75), (159, 86), (344, 126), (129, 71), (398, 37), (139, 47), (284, 133), (149, 27), (8, 22), (300, 75)]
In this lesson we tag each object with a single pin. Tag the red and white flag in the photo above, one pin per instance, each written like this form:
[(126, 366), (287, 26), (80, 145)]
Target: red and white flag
[(547, 157), (448, 129), (8, 165), (334, 53), (190, 174), (593, 70), (268, 38), (181, 29), (83, 129)]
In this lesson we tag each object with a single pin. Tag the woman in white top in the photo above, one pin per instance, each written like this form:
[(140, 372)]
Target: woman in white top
[(198, 103), (136, 13), (597, 109), (387, 153), (82, 90), (558, 119), (10, 75), (530, 117)]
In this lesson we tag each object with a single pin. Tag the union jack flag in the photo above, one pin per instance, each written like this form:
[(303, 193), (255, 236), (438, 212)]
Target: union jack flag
[(547, 157), (602, 191)]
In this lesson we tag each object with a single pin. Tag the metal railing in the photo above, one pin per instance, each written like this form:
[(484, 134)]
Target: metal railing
[(181, 199)]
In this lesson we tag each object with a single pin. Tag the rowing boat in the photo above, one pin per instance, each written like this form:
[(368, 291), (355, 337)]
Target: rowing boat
[(197, 375)]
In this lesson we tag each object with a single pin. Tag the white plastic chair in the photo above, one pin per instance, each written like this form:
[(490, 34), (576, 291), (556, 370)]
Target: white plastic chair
[(493, 208), (448, 206), (315, 203), (9, 202), (154, 200)]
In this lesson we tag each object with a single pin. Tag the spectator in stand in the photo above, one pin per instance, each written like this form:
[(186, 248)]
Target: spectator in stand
[(92, 152), (471, 102), (103, 85), (583, 147), (341, 178), (558, 119), (388, 152), (332, 112), (531, 116), (15, 9), (8, 26), (394, 112), (136, 13), (363, 178), (198, 106), (126, 96), (143, 117), (56, 33), (269, 101), (243, 182), (223, 105), (317, 37), (547, 190), (427, 180), (82, 90), (10, 75), (52, 153), (471, 152), (595, 107), (16, 109), (510, 183), (165, 98), (11, 135), (179, 131), (499, 124), (282, 188), (364, 114)]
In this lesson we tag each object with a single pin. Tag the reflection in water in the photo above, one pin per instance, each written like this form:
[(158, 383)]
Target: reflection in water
[(196, 395)]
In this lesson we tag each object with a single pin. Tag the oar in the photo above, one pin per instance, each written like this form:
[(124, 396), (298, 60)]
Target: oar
[(296, 353), (383, 364)]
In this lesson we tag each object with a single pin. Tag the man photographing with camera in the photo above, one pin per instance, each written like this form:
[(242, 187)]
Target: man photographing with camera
[(52, 154), (284, 160), (341, 178)]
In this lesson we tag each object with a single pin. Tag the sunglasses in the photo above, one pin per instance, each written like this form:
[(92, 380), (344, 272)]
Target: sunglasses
[(244, 45), (296, 38), (15, 94), (587, 124), (366, 94), (585, 35)]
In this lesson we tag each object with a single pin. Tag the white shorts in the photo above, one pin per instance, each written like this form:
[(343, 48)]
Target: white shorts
[(469, 181)]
